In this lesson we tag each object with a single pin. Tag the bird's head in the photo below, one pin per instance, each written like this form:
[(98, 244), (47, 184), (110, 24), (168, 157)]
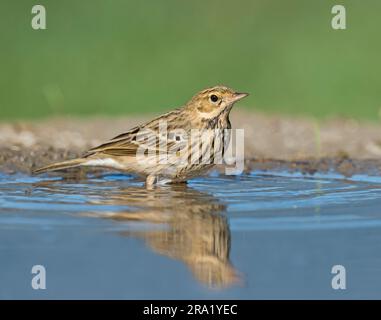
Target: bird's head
[(214, 101)]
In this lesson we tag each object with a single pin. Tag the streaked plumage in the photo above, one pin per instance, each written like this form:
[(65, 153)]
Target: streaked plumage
[(206, 111)]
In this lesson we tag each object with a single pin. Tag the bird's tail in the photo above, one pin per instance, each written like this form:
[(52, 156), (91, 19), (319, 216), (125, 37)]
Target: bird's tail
[(61, 165)]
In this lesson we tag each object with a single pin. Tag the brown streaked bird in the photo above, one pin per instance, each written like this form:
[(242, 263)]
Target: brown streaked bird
[(206, 111)]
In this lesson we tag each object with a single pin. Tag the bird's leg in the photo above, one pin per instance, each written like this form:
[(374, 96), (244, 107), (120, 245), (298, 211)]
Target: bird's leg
[(150, 180)]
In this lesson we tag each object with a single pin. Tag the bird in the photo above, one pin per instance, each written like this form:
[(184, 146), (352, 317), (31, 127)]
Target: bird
[(171, 148)]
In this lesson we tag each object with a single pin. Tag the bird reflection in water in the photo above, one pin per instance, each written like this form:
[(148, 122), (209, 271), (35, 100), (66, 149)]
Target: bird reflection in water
[(196, 231)]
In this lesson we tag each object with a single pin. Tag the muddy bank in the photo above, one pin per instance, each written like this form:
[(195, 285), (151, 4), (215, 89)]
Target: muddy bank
[(271, 142)]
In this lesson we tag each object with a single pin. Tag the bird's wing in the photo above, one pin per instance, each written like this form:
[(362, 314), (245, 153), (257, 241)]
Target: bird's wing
[(125, 141), (128, 144), (146, 135), (115, 142)]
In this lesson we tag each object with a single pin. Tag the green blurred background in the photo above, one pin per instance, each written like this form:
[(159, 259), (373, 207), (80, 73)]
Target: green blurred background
[(121, 56)]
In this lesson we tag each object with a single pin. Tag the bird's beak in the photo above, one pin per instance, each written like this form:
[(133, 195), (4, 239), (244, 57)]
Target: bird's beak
[(238, 96)]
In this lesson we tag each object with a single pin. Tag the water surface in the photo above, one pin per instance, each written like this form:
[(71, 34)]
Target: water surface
[(261, 235)]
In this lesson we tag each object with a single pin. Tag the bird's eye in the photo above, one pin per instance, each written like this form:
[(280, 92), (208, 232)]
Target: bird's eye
[(213, 98)]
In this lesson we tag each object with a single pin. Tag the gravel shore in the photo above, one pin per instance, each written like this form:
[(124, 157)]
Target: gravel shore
[(271, 142)]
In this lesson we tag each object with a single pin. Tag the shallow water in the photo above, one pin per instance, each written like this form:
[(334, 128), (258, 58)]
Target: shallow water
[(252, 236)]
